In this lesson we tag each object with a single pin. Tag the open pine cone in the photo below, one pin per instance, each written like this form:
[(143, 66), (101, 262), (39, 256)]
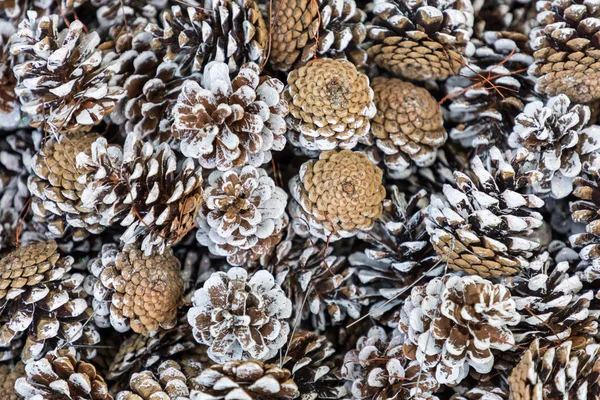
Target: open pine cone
[(586, 210)]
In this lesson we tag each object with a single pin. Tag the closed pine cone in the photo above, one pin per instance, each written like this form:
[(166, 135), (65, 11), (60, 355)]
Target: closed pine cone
[(243, 215), (8, 376), (408, 126), (71, 91), (246, 380), (337, 196), (453, 323), (484, 226), (420, 40), (60, 376), (567, 52), (328, 28), (561, 372), (134, 290), (331, 105)]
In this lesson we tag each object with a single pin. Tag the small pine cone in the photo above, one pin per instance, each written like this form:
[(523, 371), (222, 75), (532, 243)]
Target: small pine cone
[(246, 380), (453, 323), (421, 40), (8, 376), (243, 215), (227, 123), (484, 229), (60, 376), (252, 315), (561, 372), (586, 209), (133, 290), (331, 105), (378, 369), (40, 299), (62, 88), (337, 196), (558, 140), (327, 28), (10, 114), (566, 50), (408, 127)]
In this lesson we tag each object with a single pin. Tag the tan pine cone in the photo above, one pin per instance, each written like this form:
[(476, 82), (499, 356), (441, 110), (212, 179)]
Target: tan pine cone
[(8, 376), (337, 196), (331, 104), (134, 290), (60, 376), (408, 126)]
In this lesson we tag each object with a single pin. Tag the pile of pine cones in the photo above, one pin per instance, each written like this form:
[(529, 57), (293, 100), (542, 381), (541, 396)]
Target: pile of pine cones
[(299, 199)]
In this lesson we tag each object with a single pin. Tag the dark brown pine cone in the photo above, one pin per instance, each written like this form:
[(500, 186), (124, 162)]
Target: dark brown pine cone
[(303, 28), (8, 376)]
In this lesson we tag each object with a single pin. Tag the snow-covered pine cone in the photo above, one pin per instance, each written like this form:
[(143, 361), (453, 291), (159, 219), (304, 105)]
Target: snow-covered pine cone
[(558, 140), (484, 227), (227, 123), (408, 127), (43, 301), (8, 376), (453, 323), (240, 317), (59, 375), (331, 29), (482, 394), (379, 370), (562, 372), (337, 195), (112, 13), (331, 105), (10, 114), (61, 84), (566, 49), (133, 290), (420, 40)]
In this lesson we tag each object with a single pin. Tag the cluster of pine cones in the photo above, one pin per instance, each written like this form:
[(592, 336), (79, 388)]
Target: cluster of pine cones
[(299, 199)]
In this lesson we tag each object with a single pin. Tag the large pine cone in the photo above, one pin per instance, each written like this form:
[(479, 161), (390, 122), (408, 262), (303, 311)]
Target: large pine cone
[(303, 28), (62, 87), (331, 104), (40, 299), (8, 376), (483, 228), (420, 40), (337, 196), (567, 52), (240, 318), (453, 323), (246, 380), (60, 376), (408, 127), (243, 215), (557, 373), (227, 123), (134, 290)]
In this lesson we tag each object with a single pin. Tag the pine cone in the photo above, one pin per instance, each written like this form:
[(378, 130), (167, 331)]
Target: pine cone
[(10, 114), (8, 376), (453, 323), (482, 394), (337, 196), (408, 127), (62, 87), (491, 90), (331, 104), (134, 290), (228, 31), (251, 320), (554, 373), (243, 214), (566, 50), (558, 140), (483, 230), (60, 376), (111, 13), (586, 209), (378, 369), (504, 15), (420, 40), (41, 299), (327, 28), (246, 380), (227, 123)]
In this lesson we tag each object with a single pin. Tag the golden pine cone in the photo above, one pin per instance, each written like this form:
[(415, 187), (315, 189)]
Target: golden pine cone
[(331, 104), (143, 291), (338, 195), (8, 376), (408, 124)]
